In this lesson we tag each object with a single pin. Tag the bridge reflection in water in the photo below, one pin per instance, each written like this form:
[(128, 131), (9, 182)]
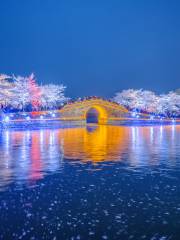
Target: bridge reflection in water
[(29, 155)]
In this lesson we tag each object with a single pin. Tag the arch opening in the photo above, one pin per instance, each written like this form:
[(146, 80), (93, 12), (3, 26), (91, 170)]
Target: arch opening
[(96, 115), (92, 116)]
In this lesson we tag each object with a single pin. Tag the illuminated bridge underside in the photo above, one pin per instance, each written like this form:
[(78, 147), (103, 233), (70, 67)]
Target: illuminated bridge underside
[(106, 111)]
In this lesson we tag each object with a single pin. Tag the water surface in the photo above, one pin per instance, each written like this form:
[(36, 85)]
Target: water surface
[(96, 182)]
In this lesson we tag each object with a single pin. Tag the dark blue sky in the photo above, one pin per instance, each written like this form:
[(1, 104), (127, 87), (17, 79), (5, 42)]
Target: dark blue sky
[(94, 47)]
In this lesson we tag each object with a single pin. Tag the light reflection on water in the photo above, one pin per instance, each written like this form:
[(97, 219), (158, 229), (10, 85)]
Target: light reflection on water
[(29, 155), (99, 182)]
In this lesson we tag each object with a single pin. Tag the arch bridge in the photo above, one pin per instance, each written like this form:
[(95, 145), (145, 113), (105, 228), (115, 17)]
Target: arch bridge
[(95, 110)]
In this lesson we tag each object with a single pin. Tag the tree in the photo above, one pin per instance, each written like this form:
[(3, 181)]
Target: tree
[(34, 92), (169, 104), (127, 98), (52, 95), (6, 86), (137, 99), (148, 101), (21, 92)]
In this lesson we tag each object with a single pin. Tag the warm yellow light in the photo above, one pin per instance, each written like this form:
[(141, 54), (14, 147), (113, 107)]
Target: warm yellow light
[(102, 117)]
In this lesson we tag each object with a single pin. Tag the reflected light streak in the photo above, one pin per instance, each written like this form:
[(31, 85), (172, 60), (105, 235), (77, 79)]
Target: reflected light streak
[(30, 154)]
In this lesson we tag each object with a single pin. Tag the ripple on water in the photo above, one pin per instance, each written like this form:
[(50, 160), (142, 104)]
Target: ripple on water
[(112, 183)]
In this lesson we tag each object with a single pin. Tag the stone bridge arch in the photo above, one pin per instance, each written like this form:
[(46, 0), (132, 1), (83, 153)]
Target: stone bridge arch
[(107, 110), (102, 117)]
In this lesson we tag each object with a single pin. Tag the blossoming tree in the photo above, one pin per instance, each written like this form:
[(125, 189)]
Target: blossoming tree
[(148, 101)]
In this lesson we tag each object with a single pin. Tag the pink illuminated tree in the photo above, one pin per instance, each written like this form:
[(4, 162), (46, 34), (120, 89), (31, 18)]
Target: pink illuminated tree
[(34, 92)]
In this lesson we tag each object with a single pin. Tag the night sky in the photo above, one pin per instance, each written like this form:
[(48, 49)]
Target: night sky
[(95, 47)]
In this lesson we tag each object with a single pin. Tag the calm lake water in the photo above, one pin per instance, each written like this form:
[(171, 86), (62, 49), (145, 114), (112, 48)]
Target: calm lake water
[(96, 182)]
